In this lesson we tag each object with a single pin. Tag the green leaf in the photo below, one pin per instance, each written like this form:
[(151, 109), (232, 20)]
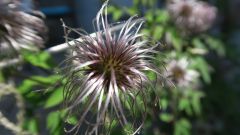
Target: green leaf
[(196, 101), (128, 129), (116, 12), (182, 127), (151, 75), (26, 86), (33, 81), (47, 79), (162, 16), (135, 2), (158, 32), (198, 43), (31, 126), (111, 124), (149, 16), (40, 59), (185, 105), (127, 104), (132, 11), (145, 31), (163, 103), (216, 44), (166, 117), (144, 2), (72, 120), (53, 121), (176, 39), (200, 64), (199, 47), (117, 15), (55, 98)]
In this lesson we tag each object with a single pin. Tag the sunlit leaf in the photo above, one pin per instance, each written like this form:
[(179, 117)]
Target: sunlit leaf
[(196, 101), (55, 98), (31, 126), (162, 16), (185, 105), (158, 32), (175, 39), (27, 86), (216, 44), (149, 16), (116, 12), (72, 120), (131, 11), (40, 59), (166, 117), (163, 103), (128, 129), (151, 75), (199, 47), (135, 2), (53, 121), (200, 64), (182, 127), (47, 79)]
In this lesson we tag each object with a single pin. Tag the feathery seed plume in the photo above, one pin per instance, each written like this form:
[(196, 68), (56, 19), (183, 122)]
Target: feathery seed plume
[(20, 28), (106, 75)]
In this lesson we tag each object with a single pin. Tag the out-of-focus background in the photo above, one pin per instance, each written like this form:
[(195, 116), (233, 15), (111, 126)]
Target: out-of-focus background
[(206, 103)]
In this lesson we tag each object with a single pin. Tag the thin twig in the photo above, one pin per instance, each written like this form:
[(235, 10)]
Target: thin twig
[(9, 125), (9, 63), (16, 128)]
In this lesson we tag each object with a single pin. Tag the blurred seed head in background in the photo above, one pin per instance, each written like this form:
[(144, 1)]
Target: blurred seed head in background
[(20, 28), (192, 16), (179, 73)]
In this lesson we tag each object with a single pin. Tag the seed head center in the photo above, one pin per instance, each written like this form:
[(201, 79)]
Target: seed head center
[(178, 73), (186, 10), (111, 64)]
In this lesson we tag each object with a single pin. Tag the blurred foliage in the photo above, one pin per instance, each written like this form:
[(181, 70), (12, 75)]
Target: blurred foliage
[(209, 105), (182, 109)]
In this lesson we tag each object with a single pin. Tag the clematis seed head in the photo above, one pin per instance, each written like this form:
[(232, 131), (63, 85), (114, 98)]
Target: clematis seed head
[(192, 16), (106, 74), (179, 73), (20, 28)]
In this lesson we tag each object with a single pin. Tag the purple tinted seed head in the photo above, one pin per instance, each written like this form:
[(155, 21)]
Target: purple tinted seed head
[(106, 71), (192, 16), (20, 28)]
